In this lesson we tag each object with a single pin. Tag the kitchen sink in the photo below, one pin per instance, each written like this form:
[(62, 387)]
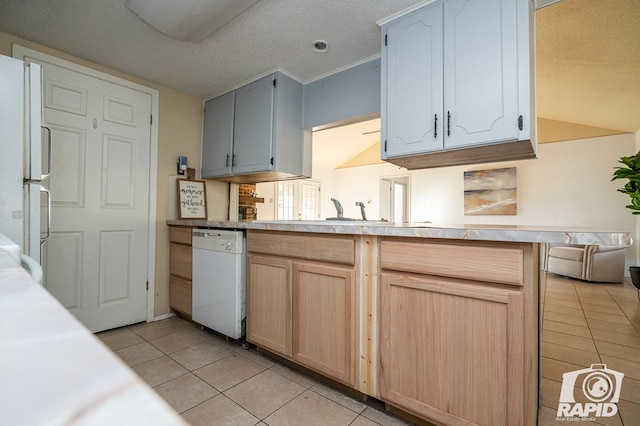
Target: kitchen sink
[(349, 221)]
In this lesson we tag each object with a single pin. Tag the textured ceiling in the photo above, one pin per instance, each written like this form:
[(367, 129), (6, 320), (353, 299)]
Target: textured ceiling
[(271, 34), (588, 63), (587, 51)]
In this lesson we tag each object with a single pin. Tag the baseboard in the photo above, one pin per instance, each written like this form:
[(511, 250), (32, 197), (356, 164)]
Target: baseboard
[(164, 316)]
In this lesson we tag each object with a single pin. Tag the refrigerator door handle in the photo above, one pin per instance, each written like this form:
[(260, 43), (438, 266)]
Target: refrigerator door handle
[(43, 239), (48, 170)]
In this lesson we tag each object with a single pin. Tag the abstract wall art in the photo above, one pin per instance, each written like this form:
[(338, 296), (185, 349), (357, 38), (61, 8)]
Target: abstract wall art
[(491, 192)]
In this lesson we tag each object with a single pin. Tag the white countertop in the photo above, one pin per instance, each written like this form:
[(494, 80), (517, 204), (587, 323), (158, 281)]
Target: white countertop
[(512, 233), (54, 371)]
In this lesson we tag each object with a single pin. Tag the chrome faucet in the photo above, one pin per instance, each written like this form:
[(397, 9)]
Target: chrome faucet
[(361, 205), (338, 208)]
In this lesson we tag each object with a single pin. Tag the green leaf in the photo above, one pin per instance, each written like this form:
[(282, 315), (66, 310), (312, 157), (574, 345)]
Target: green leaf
[(631, 172)]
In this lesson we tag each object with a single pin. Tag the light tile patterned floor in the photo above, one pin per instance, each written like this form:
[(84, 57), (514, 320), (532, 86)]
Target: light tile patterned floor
[(213, 382), (588, 323), (210, 381)]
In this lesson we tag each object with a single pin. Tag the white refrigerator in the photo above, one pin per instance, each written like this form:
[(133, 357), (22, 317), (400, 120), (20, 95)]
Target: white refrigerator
[(25, 152)]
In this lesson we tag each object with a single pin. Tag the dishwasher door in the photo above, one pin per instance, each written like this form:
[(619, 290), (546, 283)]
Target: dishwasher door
[(218, 280)]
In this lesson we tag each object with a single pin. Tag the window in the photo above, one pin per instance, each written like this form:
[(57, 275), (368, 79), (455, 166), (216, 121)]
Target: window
[(285, 201), (309, 200), (298, 199)]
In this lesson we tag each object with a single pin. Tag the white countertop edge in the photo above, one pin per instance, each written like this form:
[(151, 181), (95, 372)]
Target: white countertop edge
[(55, 371), (504, 233)]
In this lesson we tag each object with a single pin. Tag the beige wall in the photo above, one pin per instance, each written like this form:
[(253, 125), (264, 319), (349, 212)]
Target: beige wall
[(568, 186), (179, 133)]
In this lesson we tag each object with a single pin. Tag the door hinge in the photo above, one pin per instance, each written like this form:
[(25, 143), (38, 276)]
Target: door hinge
[(385, 39), (147, 285), (520, 123), (385, 145)]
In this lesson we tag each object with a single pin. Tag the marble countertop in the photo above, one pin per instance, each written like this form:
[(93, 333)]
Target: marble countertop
[(512, 233), (55, 372)]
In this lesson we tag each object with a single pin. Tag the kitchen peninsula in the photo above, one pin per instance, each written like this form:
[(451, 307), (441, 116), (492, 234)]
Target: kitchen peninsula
[(440, 321)]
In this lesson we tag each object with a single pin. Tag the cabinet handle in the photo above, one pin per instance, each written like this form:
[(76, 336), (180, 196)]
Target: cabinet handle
[(448, 123), (435, 126), (227, 163), (233, 163)]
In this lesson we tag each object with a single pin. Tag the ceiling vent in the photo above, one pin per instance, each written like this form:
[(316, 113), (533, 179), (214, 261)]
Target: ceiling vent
[(320, 46)]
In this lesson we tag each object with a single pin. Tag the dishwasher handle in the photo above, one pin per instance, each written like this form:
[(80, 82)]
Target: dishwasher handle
[(206, 234)]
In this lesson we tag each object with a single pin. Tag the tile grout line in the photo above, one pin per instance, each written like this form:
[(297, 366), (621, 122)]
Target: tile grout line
[(618, 414), (359, 412), (637, 327)]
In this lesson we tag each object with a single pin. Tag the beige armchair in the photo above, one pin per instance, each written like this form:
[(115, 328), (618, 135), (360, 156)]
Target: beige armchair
[(586, 262)]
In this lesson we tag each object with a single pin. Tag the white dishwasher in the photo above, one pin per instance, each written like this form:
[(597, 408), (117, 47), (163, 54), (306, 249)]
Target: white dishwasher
[(218, 280)]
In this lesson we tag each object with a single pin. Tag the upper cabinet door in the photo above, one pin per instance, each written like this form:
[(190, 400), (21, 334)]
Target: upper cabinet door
[(217, 136), (481, 69), (253, 134), (412, 99)]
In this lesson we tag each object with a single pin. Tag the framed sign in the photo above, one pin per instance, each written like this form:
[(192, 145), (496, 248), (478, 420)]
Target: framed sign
[(192, 199)]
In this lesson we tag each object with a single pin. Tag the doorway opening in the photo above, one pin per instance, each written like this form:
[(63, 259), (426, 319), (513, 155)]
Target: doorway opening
[(394, 199)]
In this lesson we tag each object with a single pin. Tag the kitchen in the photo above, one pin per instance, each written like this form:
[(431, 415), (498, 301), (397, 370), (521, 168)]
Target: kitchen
[(443, 185)]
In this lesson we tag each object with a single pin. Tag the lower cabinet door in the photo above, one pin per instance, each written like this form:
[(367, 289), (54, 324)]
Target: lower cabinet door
[(180, 295), (324, 319), (180, 260), (451, 352), (269, 303)]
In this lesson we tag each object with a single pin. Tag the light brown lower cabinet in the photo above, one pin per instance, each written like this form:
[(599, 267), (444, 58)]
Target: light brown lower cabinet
[(457, 342), (180, 263), (269, 303), (451, 350), (446, 330), (304, 309), (324, 321)]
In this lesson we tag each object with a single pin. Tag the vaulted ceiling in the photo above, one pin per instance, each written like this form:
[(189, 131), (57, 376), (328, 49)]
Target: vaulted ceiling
[(588, 64)]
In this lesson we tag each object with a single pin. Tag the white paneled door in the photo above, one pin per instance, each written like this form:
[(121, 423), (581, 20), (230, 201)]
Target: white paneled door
[(96, 259)]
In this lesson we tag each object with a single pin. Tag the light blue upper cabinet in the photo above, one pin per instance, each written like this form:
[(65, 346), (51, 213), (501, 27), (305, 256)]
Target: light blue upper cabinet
[(412, 113), (254, 133), (457, 84), (481, 68), (217, 136), (253, 130)]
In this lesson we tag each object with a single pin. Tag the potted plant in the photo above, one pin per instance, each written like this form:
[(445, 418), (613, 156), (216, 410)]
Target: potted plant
[(631, 171)]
